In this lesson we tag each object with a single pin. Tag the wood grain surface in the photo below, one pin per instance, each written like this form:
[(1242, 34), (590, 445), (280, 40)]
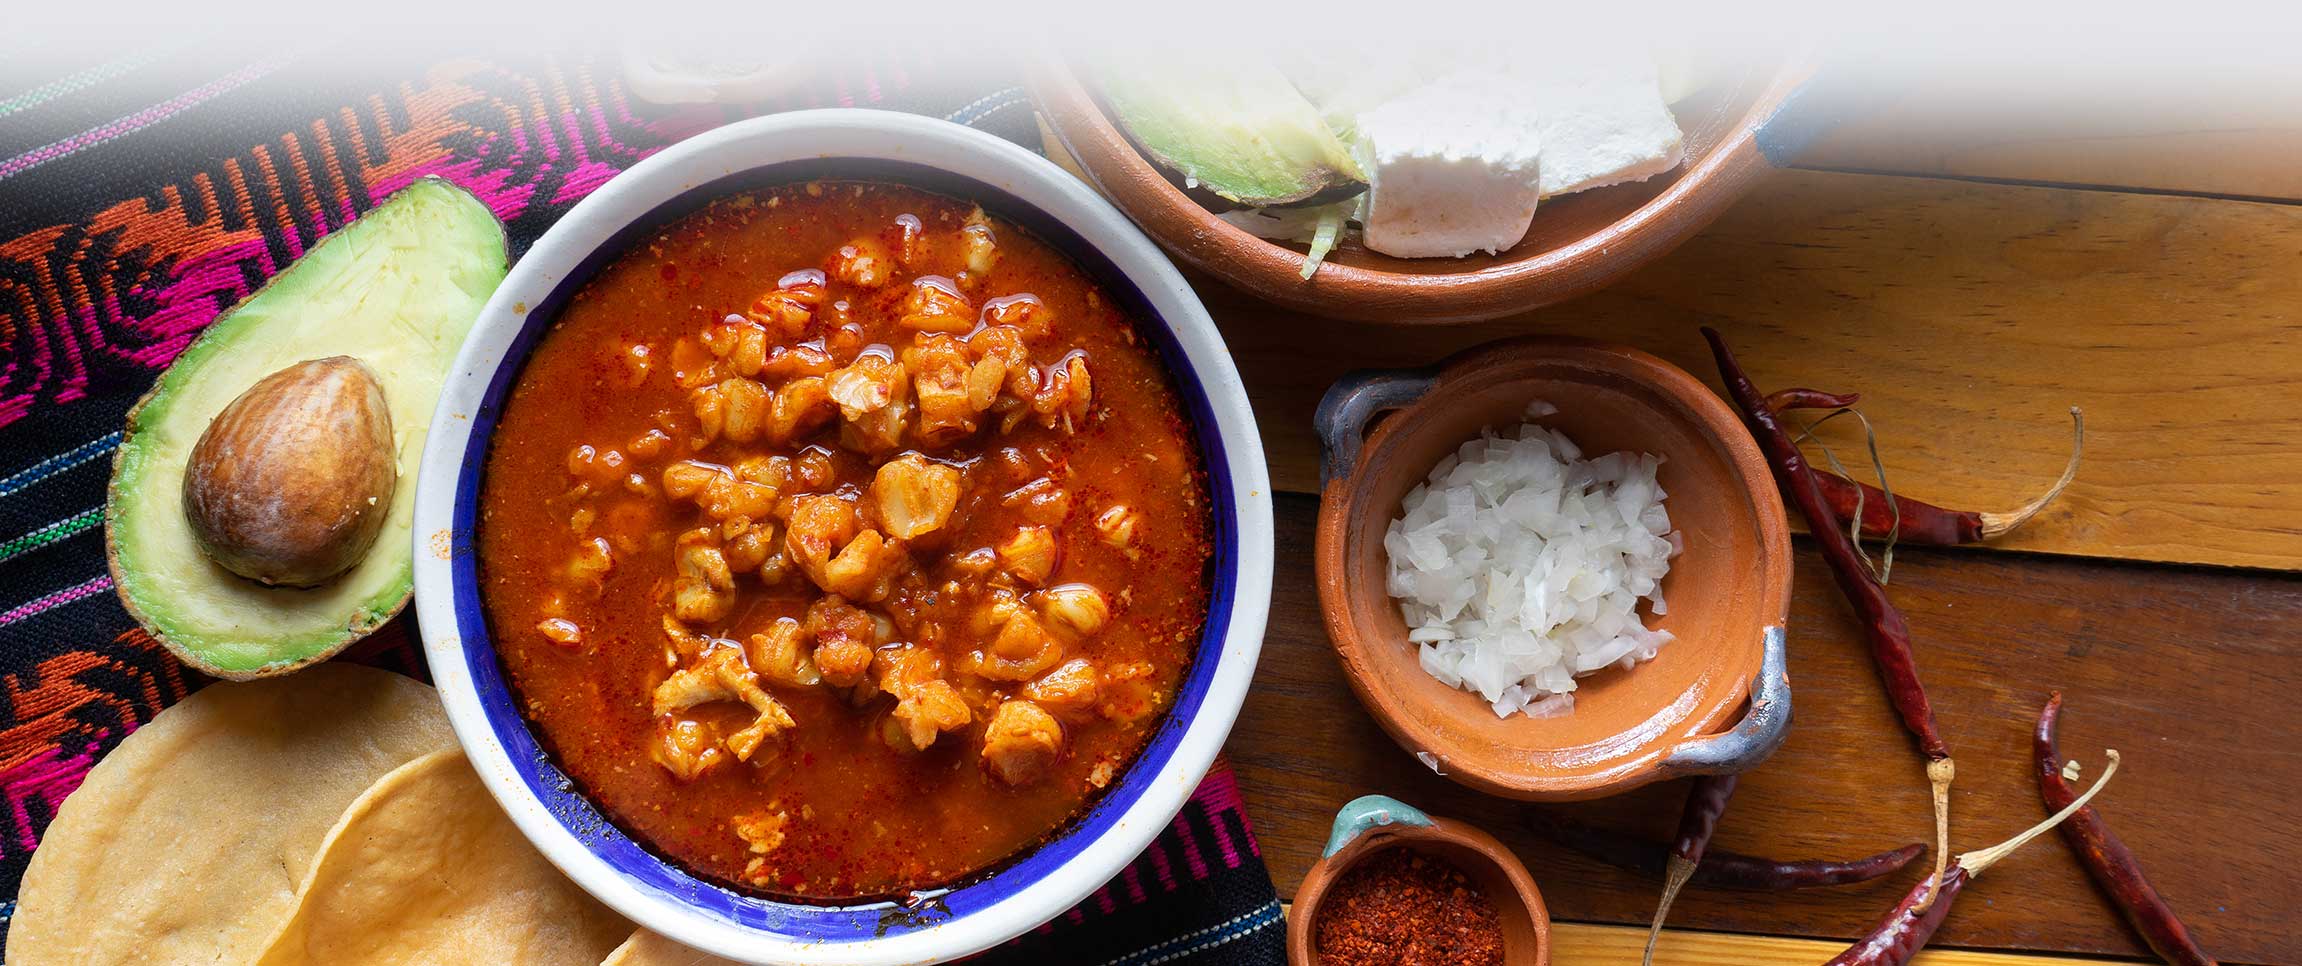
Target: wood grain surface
[(1584, 944), (2190, 673), (1972, 316)]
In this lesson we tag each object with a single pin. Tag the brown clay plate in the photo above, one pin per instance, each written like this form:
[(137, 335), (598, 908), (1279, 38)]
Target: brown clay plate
[(1577, 244), (1729, 590)]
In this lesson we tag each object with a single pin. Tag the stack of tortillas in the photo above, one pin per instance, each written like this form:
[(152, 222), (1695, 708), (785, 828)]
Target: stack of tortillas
[(324, 817)]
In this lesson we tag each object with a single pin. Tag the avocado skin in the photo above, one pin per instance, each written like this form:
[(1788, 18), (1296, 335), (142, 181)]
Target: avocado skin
[(132, 501), (1245, 135)]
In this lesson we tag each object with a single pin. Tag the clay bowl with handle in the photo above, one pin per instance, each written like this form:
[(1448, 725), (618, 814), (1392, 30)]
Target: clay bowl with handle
[(1714, 700), (1373, 824), (1746, 121)]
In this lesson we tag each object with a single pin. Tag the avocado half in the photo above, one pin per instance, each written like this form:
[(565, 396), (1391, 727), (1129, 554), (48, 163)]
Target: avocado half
[(397, 289), (1241, 132)]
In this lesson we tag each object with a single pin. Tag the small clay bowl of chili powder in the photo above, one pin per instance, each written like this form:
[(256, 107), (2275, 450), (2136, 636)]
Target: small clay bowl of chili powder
[(1397, 887)]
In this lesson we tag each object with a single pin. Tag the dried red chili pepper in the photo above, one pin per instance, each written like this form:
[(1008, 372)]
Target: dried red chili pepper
[(1916, 521), (1719, 869), (1883, 625), (2107, 859), (1904, 930), (1905, 519), (1785, 400), (1706, 801)]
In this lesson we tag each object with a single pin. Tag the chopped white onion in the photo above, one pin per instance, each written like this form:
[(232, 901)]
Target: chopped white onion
[(1519, 566)]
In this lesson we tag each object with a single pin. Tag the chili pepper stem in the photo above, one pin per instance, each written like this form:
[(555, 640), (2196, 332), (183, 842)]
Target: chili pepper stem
[(1939, 774), (1976, 861), (1999, 524), (1674, 879), (1906, 928)]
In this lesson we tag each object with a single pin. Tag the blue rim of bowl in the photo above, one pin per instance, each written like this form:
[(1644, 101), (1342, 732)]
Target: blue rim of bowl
[(565, 801)]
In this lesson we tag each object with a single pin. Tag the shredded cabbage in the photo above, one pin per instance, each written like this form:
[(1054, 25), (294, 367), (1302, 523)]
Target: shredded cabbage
[(1323, 239), (1320, 226)]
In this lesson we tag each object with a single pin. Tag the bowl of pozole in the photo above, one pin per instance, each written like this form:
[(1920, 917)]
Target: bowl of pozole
[(849, 541)]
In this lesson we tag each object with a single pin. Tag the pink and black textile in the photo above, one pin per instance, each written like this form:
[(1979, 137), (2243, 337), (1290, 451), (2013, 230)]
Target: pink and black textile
[(143, 194)]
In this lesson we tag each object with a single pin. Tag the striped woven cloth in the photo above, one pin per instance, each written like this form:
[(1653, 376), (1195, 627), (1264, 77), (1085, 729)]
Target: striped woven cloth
[(142, 193)]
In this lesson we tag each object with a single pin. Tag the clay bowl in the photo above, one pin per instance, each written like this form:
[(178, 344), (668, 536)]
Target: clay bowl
[(1374, 824), (1729, 590), (1577, 243)]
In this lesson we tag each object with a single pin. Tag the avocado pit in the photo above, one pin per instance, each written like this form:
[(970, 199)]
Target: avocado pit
[(290, 484)]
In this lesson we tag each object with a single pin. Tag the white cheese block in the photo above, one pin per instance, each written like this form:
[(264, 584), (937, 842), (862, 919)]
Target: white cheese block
[(1602, 122), (1451, 168)]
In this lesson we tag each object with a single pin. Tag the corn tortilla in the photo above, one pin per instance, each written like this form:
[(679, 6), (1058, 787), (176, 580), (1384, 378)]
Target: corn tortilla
[(425, 869), (645, 948), (187, 843)]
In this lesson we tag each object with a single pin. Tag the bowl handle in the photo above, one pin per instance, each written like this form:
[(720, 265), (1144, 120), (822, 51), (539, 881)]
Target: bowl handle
[(1353, 402), (1750, 741), (1366, 812), (1812, 109)]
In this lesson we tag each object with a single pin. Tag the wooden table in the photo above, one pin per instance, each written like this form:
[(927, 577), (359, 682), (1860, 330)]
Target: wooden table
[(1972, 309)]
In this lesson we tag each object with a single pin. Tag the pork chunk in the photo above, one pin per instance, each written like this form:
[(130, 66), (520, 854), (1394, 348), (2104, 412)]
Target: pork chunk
[(925, 704), (1022, 742), (844, 639)]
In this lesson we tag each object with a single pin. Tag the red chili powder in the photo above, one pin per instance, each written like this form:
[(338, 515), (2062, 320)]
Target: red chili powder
[(1400, 907)]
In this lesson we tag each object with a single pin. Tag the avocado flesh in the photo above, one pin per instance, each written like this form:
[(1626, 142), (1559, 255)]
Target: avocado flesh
[(1243, 133), (397, 289)]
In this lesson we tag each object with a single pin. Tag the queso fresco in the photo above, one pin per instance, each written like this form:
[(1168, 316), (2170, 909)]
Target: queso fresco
[(843, 540)]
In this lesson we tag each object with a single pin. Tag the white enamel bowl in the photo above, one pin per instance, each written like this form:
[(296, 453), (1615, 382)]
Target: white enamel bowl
[(976, 913)]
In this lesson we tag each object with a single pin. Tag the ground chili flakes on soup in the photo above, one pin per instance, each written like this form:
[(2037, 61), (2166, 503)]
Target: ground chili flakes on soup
[(1400, 907)]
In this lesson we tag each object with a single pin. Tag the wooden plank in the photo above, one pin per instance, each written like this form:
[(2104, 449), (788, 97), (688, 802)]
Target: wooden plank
[(1972, 316), (1583, 944), (2104, 123), (2189, 672)]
